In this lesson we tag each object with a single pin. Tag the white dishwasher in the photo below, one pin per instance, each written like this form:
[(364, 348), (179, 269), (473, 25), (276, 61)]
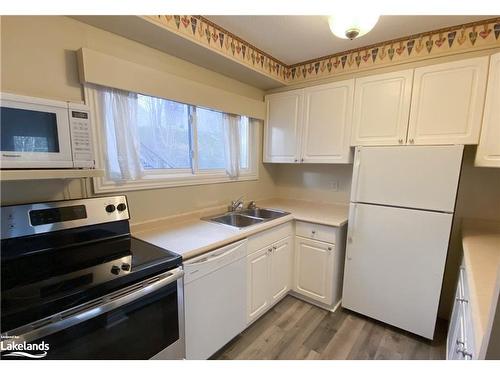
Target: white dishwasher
[(215, 299)]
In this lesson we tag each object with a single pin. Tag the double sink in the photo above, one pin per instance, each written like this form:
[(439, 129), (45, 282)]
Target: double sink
[(246, 217)]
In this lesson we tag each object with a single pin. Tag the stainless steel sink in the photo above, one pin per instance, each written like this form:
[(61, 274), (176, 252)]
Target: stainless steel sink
[(247, 217), (263, 213), (236, 220)]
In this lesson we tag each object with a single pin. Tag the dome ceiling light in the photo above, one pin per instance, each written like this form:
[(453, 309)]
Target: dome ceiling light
[(350, 26)]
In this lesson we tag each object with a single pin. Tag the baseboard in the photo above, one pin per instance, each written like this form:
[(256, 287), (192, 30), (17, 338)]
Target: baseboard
[(315, 303)]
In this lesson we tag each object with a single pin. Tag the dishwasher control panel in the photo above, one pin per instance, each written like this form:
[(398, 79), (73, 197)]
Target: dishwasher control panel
[(213, 260)]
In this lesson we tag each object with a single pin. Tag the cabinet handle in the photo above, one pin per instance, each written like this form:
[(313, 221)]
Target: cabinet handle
[(270, 250), (412, 141), (329, 248), (461, 300), (313, 232), (400, 141), (296, 160), (302, 160)]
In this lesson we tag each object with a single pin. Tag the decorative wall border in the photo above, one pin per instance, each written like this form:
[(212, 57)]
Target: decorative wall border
[(215, 38), (452, 40)]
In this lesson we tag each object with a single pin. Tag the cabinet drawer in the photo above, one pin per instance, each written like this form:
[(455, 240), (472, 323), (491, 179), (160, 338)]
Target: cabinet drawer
[(316, 231), (267, 237)]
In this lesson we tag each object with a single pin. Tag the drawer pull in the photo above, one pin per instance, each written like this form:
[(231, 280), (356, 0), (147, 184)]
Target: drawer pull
[(329, 248), (313, 232)]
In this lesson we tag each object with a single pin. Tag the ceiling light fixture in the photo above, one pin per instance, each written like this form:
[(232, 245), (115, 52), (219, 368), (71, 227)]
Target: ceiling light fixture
[(350, 26)]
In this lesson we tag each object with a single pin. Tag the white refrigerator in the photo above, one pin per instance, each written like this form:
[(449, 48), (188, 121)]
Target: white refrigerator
[(400, 217)]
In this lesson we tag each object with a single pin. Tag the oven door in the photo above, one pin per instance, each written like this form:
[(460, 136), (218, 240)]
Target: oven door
[(34, 133), (143, 321)]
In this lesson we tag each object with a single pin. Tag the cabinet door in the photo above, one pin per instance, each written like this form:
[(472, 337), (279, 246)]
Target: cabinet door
[(258, 282), (381, 109), (326, 129), (284, 114), (314, 269), (281, 269), (488, 151), (447, 102)]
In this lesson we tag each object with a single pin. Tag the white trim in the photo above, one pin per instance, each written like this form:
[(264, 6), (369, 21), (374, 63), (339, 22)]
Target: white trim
[(153, 178)]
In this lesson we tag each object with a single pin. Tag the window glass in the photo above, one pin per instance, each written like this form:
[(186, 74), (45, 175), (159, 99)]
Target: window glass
[(173, 142), (211, 149), (164, 133), (244, 142)]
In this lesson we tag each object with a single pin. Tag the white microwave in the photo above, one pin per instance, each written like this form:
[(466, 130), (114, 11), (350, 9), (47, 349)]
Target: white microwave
[(41, 133)]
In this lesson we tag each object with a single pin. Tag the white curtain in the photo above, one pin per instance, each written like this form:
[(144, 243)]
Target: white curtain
[(118, 111), (232, 144)]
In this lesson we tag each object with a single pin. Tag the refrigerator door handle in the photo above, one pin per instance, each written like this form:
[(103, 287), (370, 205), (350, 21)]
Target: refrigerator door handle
[(355, 174), (351, 229)]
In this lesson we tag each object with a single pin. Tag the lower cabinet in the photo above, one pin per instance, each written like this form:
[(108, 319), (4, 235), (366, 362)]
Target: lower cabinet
[(460, 342), (281, 269), (314, 269), (308, 265), (258, 283), (269, 270), (319, 263)]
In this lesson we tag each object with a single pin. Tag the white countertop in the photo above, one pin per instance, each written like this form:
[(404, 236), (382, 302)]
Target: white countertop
[(481, 244), (189, 236)]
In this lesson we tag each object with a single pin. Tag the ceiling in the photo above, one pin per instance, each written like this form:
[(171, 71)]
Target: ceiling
[(294, 39)]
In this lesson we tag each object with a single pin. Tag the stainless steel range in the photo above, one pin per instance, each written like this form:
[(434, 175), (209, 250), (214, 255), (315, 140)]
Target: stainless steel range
[(77, 285)]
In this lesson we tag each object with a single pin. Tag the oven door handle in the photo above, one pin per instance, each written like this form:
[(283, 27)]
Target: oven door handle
[(58, 322)]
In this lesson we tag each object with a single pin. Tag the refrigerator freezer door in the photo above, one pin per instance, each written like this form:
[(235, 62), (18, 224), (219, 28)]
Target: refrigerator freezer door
[(424, 177), (394, 265)]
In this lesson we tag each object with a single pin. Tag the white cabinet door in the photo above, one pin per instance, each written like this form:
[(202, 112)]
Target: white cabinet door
[(326, 129), (447, 102), (258, 270), (381, 109), (488, 151), (314, 269), (281, 269), (281, 134)]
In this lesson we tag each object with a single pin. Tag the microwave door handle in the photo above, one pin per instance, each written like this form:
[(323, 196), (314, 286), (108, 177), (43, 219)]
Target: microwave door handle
[(92, 309)]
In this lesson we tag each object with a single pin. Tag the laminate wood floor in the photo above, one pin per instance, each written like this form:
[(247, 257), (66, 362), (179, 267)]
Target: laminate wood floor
[(294, 329)]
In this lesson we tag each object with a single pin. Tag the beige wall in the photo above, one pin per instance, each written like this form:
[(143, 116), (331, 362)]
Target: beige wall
[(38, 59), (314, 182)]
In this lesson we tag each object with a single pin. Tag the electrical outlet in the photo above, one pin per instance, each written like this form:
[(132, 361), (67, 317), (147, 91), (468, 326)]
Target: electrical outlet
[(334, 185)]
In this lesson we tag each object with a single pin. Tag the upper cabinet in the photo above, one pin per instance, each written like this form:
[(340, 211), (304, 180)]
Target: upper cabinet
[(488, 151), (436, 104), (431, 105), (381, 109), (447, 102), (311, 125), (326, 128), (281, 135)]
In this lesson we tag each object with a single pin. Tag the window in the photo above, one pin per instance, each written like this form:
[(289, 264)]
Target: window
[(147, 142)]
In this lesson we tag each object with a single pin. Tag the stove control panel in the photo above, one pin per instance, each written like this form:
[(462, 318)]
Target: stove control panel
[(36, 218)]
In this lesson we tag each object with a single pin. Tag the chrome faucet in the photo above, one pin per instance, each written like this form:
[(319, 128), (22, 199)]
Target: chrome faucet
[(236, 205), (252, 205)]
